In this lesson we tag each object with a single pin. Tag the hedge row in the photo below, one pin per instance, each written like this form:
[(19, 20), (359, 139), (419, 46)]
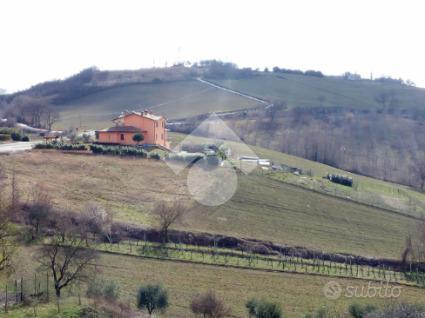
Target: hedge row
[(69, 147), (6, 131), (341, 179), (119, 151), (4, 137)]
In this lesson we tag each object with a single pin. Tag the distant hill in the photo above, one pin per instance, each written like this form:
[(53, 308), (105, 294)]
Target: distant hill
[(176, 99), (310, 91), (175, 93), (371, 127)]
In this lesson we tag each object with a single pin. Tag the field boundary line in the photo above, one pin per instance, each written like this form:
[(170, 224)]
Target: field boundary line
[(242, 268)]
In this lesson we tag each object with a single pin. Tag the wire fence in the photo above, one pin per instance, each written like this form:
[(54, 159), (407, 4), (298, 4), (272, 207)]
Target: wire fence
[(410, 275), (31, 290)]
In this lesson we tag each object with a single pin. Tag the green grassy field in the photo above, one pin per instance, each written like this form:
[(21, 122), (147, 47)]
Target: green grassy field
[(298, 90), (275, 211), (368, 190), (178, 99), (193, 254), (262, 208), (181, 99), (298, 294)]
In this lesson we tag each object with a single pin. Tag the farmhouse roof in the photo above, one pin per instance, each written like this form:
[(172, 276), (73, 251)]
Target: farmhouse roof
[(51, 135), (124, 129), (146, 114)]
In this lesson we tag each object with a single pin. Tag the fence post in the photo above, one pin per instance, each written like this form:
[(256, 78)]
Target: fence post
[(5, 302), (22, 289), (47, 286), (16, 292)]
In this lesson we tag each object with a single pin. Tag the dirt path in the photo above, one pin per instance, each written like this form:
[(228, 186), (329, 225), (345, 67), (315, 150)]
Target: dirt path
[(262, 101), (16, 147)]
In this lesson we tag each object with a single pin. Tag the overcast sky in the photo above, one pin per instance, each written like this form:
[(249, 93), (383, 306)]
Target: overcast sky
[(44, 40)]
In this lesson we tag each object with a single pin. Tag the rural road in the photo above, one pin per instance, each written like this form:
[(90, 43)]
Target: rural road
[(16, 147), (234, 92)]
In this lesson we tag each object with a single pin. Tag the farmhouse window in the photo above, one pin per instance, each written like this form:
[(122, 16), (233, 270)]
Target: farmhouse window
[(122, 136)]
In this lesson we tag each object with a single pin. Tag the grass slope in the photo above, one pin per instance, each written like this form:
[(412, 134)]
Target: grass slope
[(262, 208), (367, 190), (298, 90), (187, 98), (298, 294), (173, 99)]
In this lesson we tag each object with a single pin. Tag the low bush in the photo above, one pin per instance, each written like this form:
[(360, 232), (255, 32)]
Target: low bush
[(119, 151), (4, 137), (108, 290), (324, 312), (73, 147), (340, 179), (6, 131), (109, 309), (152, 298), (155, 156), (44, 146), (25, 138), (398, 311), (16, 136), (208, 305), (359, 311), (263, 309)]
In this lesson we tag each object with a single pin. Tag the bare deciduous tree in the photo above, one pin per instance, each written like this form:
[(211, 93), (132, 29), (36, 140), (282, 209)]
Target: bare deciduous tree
[(3, 178), (415, 243), (168, 214), (51, 116), (382, 98), (39, 209), (96, 220), (209, 306), (386, 98), (63, 223), (15, 195), (6, 244), (32, 110), (67, 263), (418, 169)]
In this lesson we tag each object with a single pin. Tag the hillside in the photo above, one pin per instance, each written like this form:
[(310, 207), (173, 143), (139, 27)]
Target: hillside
[(263, 208), (298, 294), (310, 91), (278, 207), (188, 98), (373, 128), (177, 99)]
